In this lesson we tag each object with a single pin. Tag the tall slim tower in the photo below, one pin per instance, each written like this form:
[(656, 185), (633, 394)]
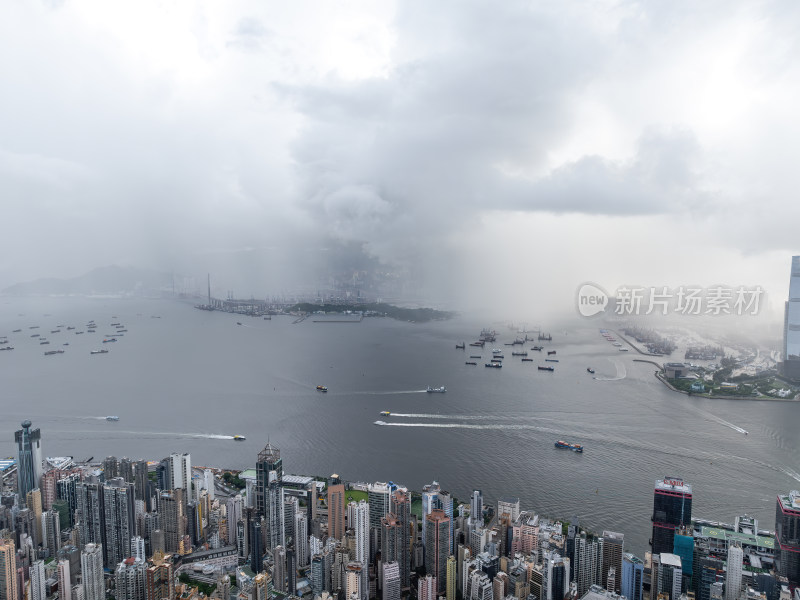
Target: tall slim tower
[(336, 508), (360, 527), (391, 581), (29, 464), (733, 573), (8, 570), (612, 558), (476, 508), (64, 582), (672, 508), (36, 574), (119, 520), (790, 367), (632, 577), (94, 587), (437, 547), (269, 493), (401, 500)]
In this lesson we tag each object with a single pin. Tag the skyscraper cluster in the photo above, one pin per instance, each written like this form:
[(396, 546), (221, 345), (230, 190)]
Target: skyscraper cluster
[(131, 528)]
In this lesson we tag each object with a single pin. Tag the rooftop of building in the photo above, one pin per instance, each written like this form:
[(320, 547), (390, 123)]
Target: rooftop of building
[(597, 592), (7, 463), (670, 560), (746, 539), (632, 558), (790, 500), (673, 484)]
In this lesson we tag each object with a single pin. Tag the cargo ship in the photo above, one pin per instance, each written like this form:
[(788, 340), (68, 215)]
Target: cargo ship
[(562, 445), (546, 368)]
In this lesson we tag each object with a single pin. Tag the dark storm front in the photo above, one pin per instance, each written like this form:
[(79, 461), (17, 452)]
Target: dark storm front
[(189, 381)]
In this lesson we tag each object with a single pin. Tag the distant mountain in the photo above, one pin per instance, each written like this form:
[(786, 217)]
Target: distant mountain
[(103, 280)]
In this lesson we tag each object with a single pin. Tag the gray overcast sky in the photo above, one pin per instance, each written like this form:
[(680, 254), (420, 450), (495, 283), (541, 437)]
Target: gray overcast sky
[(499, 151)]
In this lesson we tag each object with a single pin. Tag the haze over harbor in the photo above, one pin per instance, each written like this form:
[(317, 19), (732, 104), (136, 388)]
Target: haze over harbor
[(200, 379)]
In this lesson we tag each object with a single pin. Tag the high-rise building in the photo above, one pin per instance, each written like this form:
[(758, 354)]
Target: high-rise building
[(555, 580), (709, 572), (89, 500), (612, 558), (733, 571), (437, 547), (279, 568), (378, 495), (66, 490), (787, 532), (233, 510), (391, 581), (352, 580), (140, 479), (64, 582), (632, 577), (670, 576), (360, 526), (269, 494), (427, 588), (672, 508), (790, 367), (257, 550), (129, 578), (336, 508), (29, 463), (301, 540), (160, 580), (179, 472), (51, 531), (171, 514), (684, 547), (452, 575), (92, 572), (401, 502), (8, 570), (476, 508), (138, 548), (118, 520), (34, 504), (37, 579), (379, 499), (433, 497), (508, 506), (586, 559)]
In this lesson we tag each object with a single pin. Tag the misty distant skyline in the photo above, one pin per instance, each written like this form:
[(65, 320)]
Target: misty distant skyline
[(497, 155)]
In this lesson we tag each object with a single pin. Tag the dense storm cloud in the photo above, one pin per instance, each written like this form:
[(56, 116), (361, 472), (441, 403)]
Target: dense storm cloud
[(477, 148)]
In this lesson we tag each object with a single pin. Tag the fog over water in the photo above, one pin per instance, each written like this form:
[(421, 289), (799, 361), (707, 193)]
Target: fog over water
[(486, 155), (189, 380)]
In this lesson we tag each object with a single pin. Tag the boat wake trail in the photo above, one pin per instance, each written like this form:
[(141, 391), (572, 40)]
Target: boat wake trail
[(466, 426), (621, 372), (391, 393), (457, 417), (718, 420)]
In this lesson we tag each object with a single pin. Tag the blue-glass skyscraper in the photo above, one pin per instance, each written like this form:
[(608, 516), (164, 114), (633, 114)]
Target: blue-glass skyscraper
[(632, 576), (29, 463)]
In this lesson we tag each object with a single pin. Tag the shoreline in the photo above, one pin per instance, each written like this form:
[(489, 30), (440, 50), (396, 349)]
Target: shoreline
[(747, 398)]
